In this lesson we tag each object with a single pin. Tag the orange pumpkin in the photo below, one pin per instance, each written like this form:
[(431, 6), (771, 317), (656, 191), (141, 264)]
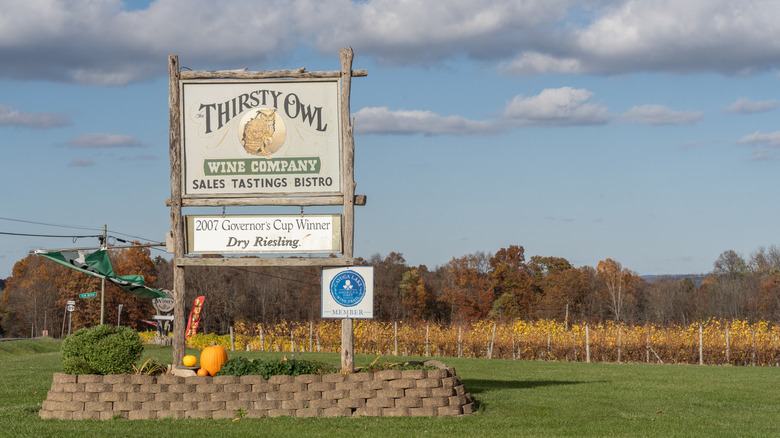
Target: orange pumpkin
[(202, 372), (212, 358)]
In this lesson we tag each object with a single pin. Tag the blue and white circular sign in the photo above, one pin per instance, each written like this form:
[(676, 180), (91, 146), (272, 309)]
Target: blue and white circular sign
[(348, 288)]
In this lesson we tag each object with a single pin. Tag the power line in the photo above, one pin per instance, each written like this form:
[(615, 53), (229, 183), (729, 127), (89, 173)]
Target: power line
[(48, 225), (47, 235)]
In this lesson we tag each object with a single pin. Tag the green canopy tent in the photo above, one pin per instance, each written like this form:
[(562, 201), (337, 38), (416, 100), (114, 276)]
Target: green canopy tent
[(97, 264)]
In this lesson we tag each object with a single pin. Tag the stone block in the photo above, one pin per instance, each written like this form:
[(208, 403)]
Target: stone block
[(414, 374), (156, 406), (209, 388), (308, 413), (460, 390), (348, 385), (140, 396), (224, 414), (437, 374), (387, 375), (251, 380), (293, 387), (89, 378), (272, 413), (336, 412), (307, 395), (308, 378), (351, 403), (390, 393), (334, 394), (368, 411), (278, 380), (169, 396), (141, 380), (234, 405), (360, 377), (142, 415), (237, 387), (449, 411), (197, 380), (127, 406), (152, 388), (322, 404), (110, 415), (334, 378), (402, 383), (428, 383), (170, 414), (224, 396), (256, 413), (98, 387), (395, 412), (183, 406), (64, 378), (380, 402), (458, 400), (436, 402), (264, 387), (126, 387), (86, 396), (362, 393), (251, 396), (295, 404), (442, 392), (86, 415), (211, 406), (423, 412), (112, 396), (113, 379), (469, 408), (266, 405), (170, 380), (59, 396), (279, 395), (408, 402), (226, 380), (417, 392), (321, 386), (181, 388)]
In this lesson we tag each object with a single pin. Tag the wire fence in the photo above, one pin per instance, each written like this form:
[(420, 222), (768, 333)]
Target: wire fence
[(712, 342)]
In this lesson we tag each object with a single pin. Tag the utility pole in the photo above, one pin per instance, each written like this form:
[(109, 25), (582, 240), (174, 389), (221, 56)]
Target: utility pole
[(104, 245), (119, 317)]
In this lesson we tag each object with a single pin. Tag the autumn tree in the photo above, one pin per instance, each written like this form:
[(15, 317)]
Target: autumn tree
[(418, 300), (513, 288), (620, 285), (466, 287)]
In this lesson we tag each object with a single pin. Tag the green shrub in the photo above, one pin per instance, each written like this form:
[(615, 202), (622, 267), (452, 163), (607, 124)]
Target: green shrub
[(241, 366), (103, 349)]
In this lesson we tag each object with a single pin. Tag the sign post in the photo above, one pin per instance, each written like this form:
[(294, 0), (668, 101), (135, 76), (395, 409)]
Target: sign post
[(269, 138), (70, 307)]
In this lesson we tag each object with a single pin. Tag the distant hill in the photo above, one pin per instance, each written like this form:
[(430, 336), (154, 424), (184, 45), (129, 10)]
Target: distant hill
[(696, 278)]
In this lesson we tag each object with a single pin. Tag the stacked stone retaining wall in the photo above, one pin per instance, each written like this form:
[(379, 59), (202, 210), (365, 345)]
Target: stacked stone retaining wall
[(389, 393)]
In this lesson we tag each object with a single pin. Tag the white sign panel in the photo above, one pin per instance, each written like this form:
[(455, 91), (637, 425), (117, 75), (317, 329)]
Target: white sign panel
[(254, 138), (348, 292), (264, 234)]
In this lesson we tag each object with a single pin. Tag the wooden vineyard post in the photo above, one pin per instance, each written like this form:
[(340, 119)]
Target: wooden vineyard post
[(348, 184)]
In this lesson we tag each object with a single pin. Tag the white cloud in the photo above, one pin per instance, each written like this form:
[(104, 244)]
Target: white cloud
[(747, 106), (105, 43), (760, 139), (9, 116), (556, 106), (660, 115), (79, 162), (381, 120), (101, 140)]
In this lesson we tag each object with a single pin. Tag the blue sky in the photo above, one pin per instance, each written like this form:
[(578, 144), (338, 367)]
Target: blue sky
[(642, 131)]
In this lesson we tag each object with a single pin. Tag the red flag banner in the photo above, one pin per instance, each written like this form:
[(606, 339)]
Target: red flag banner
[(194, 320)]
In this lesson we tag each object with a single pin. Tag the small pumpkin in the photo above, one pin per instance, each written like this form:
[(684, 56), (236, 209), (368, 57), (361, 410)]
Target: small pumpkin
[(212, 358), (189, 360), (202, 372)]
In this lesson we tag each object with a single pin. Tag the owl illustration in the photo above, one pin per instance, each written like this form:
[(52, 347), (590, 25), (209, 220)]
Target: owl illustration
[(258, 132)]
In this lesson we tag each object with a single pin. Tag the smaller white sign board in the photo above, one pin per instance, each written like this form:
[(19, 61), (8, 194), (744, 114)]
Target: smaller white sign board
[(348, 292)]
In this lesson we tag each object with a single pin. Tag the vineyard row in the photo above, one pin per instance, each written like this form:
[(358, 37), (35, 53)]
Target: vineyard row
[(714, 342)]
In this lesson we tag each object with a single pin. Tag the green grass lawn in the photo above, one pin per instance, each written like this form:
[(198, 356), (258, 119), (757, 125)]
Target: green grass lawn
[(517, 398)]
